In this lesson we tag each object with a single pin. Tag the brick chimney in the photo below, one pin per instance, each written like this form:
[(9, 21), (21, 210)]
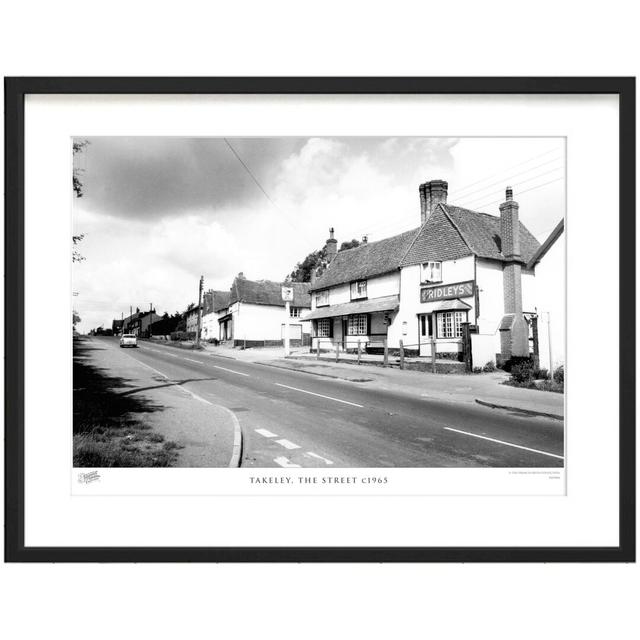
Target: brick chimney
[(514, 330), (431, 195), (331, 247)]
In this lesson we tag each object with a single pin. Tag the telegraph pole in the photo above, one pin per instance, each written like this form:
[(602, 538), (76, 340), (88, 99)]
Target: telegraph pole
[(199, 311), (150, 317)]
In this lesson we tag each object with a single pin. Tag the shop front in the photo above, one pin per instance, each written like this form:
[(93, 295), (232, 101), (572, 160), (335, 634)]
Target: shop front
[(441, 318), (349, 324)]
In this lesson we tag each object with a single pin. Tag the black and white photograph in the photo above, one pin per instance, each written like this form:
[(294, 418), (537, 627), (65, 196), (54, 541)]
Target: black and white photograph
[(318, 302)]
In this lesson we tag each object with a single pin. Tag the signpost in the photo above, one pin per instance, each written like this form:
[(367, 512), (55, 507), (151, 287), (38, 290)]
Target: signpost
[(287, 296)]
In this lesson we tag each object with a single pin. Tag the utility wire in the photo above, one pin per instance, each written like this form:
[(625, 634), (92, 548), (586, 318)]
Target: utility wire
[(376, 229), (519, 164), (262, 189), (398, 228), (486, 195), (544, 184), (456, 194)]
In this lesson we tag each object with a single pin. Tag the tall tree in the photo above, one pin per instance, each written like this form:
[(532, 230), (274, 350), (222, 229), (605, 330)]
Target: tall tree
[(316, 260), (78, 146)]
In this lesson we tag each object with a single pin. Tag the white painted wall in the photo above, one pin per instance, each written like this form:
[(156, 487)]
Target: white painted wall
[(551, 299), (410, 306), (377, 287), (262, 321), (489, 279)]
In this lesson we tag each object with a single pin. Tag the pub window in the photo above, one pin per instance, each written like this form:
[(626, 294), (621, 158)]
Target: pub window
[(324, 328), (450, 324), (432, 272), (295, 312), (358, 289), (357, 325), (322, 298)]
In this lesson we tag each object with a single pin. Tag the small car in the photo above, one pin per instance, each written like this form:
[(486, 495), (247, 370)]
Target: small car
[(128, 340)]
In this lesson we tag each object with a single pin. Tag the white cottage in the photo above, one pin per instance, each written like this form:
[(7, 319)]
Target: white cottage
[(460, 268), (255, 315)]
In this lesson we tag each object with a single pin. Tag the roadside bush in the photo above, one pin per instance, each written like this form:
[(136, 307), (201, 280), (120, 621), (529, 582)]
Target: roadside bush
[(542, 374), (477, 369), (558, 375), (489, 367), (178, 336), (214, 341), (523, 373)]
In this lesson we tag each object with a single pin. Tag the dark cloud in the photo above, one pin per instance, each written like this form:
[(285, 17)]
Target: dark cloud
[(150, 178)]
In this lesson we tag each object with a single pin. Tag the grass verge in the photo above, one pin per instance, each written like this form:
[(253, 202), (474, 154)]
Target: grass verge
[(108, 430)]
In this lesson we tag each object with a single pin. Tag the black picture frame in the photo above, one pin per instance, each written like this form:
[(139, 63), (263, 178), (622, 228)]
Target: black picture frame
[(15, 91)]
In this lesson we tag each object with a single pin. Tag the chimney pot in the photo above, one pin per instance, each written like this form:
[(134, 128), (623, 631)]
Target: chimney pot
[(432, 194), (509, 194), (331, 247)]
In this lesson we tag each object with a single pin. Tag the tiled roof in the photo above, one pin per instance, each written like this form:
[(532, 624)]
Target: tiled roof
[(268, 292), (452, 232), (366, 261), (220, 300)]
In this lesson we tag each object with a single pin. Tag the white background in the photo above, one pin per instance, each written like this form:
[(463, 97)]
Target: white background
[(319, 601)]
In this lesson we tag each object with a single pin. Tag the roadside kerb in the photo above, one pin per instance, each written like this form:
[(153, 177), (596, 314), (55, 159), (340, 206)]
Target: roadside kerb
[(529, 412), (236, 451)]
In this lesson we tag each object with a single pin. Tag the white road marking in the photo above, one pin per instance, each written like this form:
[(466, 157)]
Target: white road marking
[(285, 462), (266, 433), (192, 360), (353, 404), (246, 375), (315, 455), (508, 444), (287, 444), (173, 355)]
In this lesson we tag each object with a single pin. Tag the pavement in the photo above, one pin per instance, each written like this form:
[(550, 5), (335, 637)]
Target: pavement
[(296, 412), (487, 389), (208, 434)]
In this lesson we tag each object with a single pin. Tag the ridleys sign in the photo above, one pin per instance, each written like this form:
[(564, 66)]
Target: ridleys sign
[(447, 291)]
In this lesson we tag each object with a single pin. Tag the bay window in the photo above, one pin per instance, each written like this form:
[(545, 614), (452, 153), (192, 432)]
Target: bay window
[(450, 324)]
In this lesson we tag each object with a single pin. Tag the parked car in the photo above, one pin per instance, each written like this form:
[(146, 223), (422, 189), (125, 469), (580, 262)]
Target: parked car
[(128, 340)]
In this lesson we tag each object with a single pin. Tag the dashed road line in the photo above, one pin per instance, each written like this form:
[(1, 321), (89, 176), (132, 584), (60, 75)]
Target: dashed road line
[(192, 360), (315, 455), (266, 433), (246, 375), (287, 444), (286, 386), (285, 462), (508, 444)]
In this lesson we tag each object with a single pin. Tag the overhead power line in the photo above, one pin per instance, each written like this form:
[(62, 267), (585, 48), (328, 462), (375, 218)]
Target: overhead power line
[(519, 164), (263, 190), (539, 175), (376, 229), (456, 194)]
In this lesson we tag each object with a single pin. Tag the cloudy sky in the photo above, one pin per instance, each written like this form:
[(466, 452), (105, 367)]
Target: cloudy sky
[(159, 212)]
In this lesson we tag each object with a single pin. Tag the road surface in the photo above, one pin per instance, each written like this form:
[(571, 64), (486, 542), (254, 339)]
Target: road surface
[(293, 419)]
